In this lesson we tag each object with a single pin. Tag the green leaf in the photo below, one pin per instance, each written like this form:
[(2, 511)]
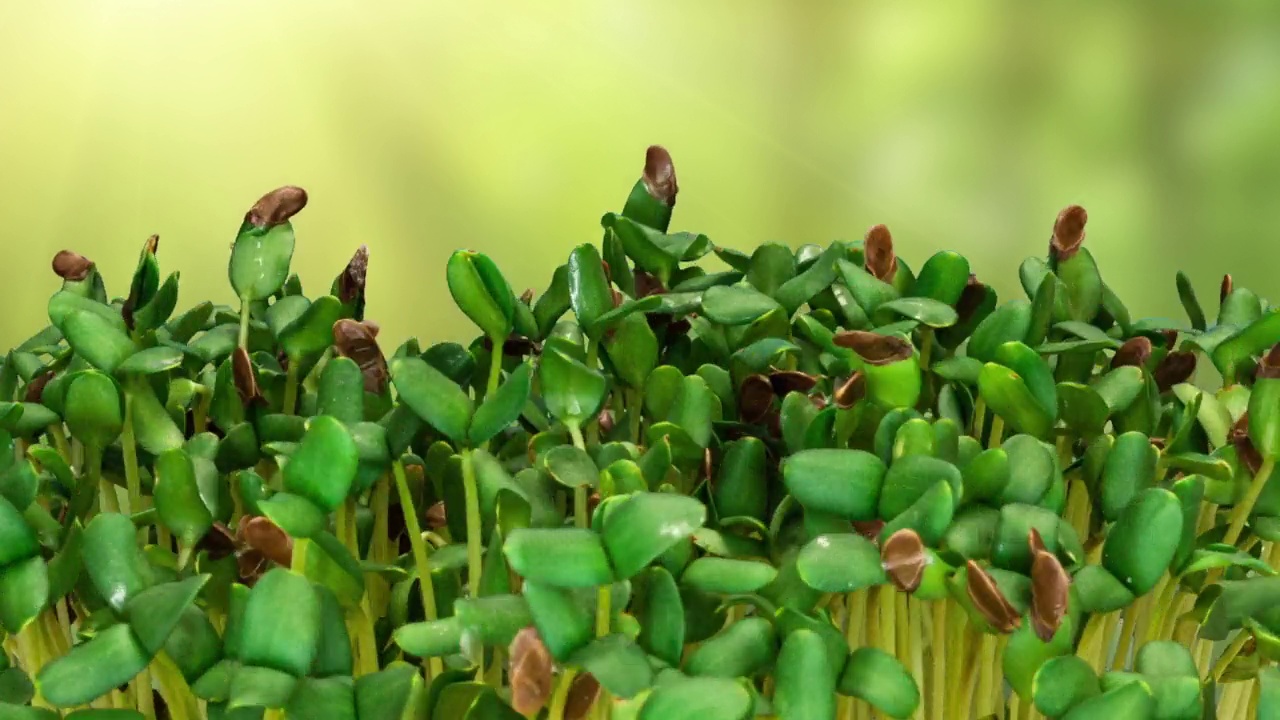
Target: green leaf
[(324, 465), (571, 466), (563, 557), (943, 277), (281, 624), (1130, 468), (1187, 296), (322, 699), (340, 393), (564, 624), (645, 526), (701, 698), (433, 397), (1258, 336), (395, 693), (805, 683), (177, 497), (1008, 322), (481, 292), (632, 348), (329, 563), (843, 482), (1033, 370), (909, 478), (923, 310), (728, 577), (572, 391), (869, 291), (741, 649), (113, 561), (92, 669), (254, 687), (741, 487), (878, 678), (296, 515), (260, 261), (1061, 683), (430, 639), (1142, 543), (589, 291), (17, 539), (1007, 394), (155, 612), (1100, 591), (736, 304), (101, 343), (24, 590), (1133, 700), (151, 361), (840, 563), (498, 412), (312, 331), (617, 664), (492, 620)]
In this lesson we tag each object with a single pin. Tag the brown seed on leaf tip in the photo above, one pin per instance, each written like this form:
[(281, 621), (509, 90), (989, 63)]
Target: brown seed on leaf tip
[(1269, 365), (246, 380), (357, 341), (35, 389), (660, 175), (851, 391), (583, 693), (276, 207), (786, 381), (526, 297), (71, 266), (970, 298), (1225, 289), (1136, 351), (436, 516), (989, 600), (351, 283), (1068, 232), (869, 529), (260, 534), (874, 348), (755, 397), (1034, 541), (1176, 367), (904, 559), (153, 244), (878, 257), (530, 672), (1050, 585)]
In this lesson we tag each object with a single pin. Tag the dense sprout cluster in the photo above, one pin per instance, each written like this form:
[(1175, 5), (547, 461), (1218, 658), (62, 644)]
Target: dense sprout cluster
[(817, 483)]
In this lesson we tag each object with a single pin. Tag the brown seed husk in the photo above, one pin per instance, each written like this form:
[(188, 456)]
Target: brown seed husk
[(152, 245), (530, 672), (1269, 365), (526, 297), (1068, 232), (1035, 542), (647, 284), (786, 381), (1135, 351), (851, 391), (869, 529), (1225, 288), (970, 299), (35, 389), (351, 282), (660, 175), (1050, 585), (358, 342), (1175, 368), (755, 397), (904, 558), (874, 348), (72, 267), (583, 693), (989, 601), (259, 533), (276, 207), (436, 516), (245, 379), (878, 257)]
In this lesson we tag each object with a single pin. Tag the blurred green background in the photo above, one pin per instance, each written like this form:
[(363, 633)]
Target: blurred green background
[(421, 126)]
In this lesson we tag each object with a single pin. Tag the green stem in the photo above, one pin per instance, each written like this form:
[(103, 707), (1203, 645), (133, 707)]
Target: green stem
[(997, 432), (132, 478), (593, 424), (1229, 654), (201, 414), (580, 515), (143, 695), (245, 312), (291, 387), (636, 412), (60, 441), (472, 492), (1240, 513), (495, 368), (561, 695), (979, 417), (420, 555), (604, 610)]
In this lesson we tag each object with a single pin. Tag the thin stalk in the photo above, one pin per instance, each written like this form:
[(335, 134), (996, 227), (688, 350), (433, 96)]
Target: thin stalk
[(604, 611), (561, 695), (581, 518), (938, 648), (997, 432), (926, 347), (902, 615), (888, 616), (1229, 654), (143, 696), (979, 417), (472, 493), (60, 441), (915, 642), (420, 555), (1133, 619), (635, 402), (129, 445), (986, 673), (201, 414), (593, 425), (245, 311), (1240, 513), (1255, 697), (291, 387), (378, 544)]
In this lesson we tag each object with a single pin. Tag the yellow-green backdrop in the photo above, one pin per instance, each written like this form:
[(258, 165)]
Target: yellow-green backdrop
[(421, 126)]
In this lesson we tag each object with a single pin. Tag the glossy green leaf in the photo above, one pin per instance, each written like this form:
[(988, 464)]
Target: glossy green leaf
[(617, 664), (589, 292), (432, 397), (17, 539), (481, 292), (1130, 468), (645, 526), (843, 482), (496, 413), (562, 557), (1129, 701), (736, 305), (1009, 322), (840, 563), (703, 698), (312, 331), (878, 678), (340, 392), (155, 612), (95, 410), (728, 577), (741, 649), (100, 342), (805, 683), (151, 361), (177, 497), (113, 560), (296, 515), (741, 487), (1061, 683), (1142, 543), (660, 610), (1007, 394), (572, 391), (24, 591), (281, 625), (324, 465), (93, 668), (907, 480), (923, 310), (260, 261)]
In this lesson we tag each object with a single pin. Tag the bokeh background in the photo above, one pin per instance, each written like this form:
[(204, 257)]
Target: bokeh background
[(422, 126)]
